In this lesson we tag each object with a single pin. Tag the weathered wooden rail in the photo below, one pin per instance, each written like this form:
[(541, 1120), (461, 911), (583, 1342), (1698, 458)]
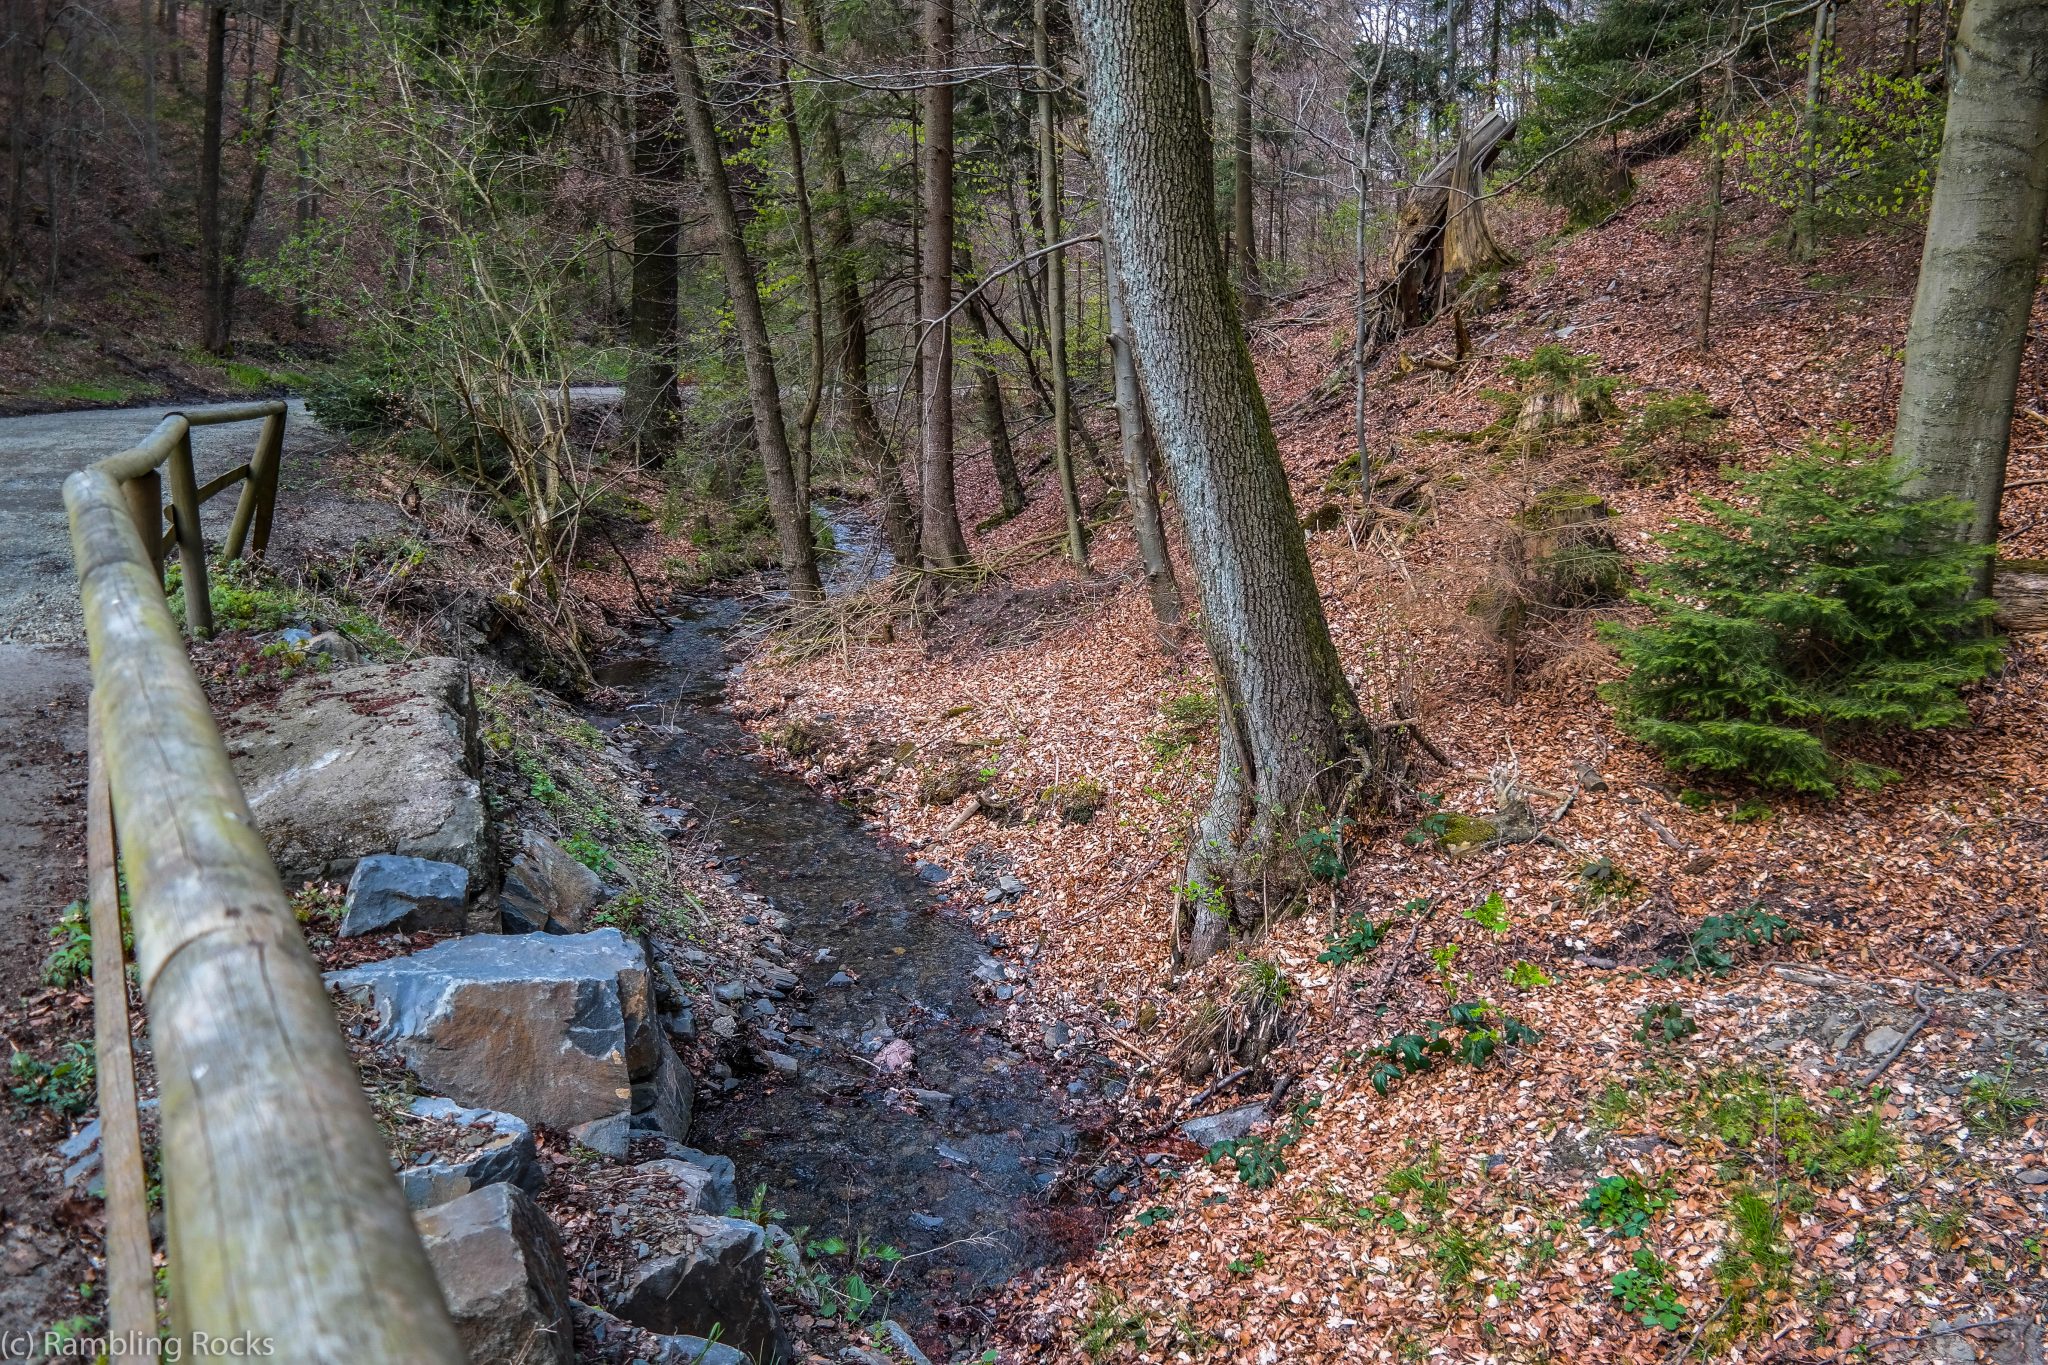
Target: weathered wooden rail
[(285, 1234)]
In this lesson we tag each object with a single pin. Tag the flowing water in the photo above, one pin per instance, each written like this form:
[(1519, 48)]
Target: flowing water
[(948, 1165)]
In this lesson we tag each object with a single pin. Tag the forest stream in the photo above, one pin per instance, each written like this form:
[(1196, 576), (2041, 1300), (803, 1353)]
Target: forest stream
[(950, 1165)]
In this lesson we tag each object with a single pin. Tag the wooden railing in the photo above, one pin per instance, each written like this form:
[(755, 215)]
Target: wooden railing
[(285, 1234)]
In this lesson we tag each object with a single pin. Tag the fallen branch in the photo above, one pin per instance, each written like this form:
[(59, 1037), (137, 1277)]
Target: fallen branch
[(1899, 1049)]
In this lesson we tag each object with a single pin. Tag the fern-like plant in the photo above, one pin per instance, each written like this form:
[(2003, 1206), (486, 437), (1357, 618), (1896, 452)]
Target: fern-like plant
[(1828, 605)]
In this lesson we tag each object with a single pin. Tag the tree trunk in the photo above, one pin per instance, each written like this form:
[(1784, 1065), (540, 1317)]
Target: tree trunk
[(1244, 234), (943, 545), (259, 173), (792, 527), (1978, 271), (988, 395), (1056, 289), (652, 406), (1909, 54), (148, 66), (212, 325), (807, 247), (1717, 162), (1140, 457), (1805, 227), (849, 323), (1291, 744)]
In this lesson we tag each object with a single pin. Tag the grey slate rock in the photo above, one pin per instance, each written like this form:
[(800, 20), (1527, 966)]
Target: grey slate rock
[(553, 1028), (378, 759), (391, 890), (547, 889), (695, 1189), (696, 1351), (506, 1155), (905, 1344), (725, 1188), (499, 1263), (715, 1286), (1223, 1127), (611, 1136)]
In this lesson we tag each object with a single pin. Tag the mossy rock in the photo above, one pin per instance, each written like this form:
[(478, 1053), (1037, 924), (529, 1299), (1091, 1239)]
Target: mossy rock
[(1464, 832), (943, 785), (1077, 802)]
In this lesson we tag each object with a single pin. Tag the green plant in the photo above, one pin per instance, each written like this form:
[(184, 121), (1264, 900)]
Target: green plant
[(1646, 1293), (70, 958), (1323, 850), (1874, 149), (1755, 1267), (1185, 717), (1665, 1023), (1622, 1204), (1603, 880), (1076, 801), (1491, 914), (1260, 1160), (65, 1086), (1527, 976), (1710, 949), (1356, 936), (1471, 1032), (1110, 1324), (1833, 605), (1994, 1103), (589, 852), (1670, 424), (1763, 1121)]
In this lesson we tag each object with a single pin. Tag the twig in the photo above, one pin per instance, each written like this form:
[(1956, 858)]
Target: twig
[(1207, 1092), (1135, 1051), (1952, 1329), (1899, 1049), (1694, 1339), (638, 593), (1657, 827)]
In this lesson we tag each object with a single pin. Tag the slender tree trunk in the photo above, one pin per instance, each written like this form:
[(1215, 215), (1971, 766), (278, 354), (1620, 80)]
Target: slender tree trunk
[(212, 326), (988, 394), (1362, 319), (1198, 40), (807, 247), (260, 141), (943, 545), (1244, 232), (1291, 744), (653, 408), (1979, 268), (147, 62), (1055, 289), (1140, 457), (1909, 54), (792, 527), (1806, 228), (849, 323), (1716, 171)]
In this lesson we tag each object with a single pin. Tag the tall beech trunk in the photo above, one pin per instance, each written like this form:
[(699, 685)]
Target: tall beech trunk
[(236, 244), (943, 546), (212, 324), (1056, 289), (1291, 741), (1979, 268), (1140, 467), (652, 406), (807, 247), (764, 393), (849, 322), (1244, 234)]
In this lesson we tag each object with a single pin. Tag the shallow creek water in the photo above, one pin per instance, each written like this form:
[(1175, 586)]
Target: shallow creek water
[(957, 1185)]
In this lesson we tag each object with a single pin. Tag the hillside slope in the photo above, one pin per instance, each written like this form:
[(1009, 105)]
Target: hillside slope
[(1782, 1206)]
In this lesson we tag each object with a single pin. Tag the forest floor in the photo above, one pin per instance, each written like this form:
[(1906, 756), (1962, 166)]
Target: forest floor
[(1846, 1159)]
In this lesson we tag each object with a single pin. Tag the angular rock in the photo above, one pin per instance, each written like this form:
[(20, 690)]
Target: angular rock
[(500, 1267), (724, 1190), (696, 1189), (714, 1287), (905, 1344), (696, 1351), (377, 759), (664, 1101), (547, 889), (503, 1153), (1223, 1127), (391, 890), (611, 1136), (553, 1028)]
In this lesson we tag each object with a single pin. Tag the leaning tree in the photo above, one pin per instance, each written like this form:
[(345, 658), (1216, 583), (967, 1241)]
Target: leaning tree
[(1293, 745)]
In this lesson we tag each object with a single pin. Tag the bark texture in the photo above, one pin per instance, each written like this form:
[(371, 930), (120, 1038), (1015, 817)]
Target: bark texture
[(1056, 289), (942, 544), (792, 527), (651, 407), (1140, 461), (848, 314), (1979, 267), (1290, 733)]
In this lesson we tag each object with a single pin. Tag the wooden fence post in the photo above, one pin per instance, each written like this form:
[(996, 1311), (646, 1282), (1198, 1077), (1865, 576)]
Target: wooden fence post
[(191, 539)]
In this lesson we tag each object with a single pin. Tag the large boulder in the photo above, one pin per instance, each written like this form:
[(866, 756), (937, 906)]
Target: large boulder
[(472, 1148), (499, 1263), (393, 891), (556, 1028), (547, 889), (378, 759), (710, 1287)]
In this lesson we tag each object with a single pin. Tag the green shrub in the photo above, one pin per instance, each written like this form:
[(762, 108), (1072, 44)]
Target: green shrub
[(1645, 1292), (1670, 425), (1832, 606), (1621, 1204)]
